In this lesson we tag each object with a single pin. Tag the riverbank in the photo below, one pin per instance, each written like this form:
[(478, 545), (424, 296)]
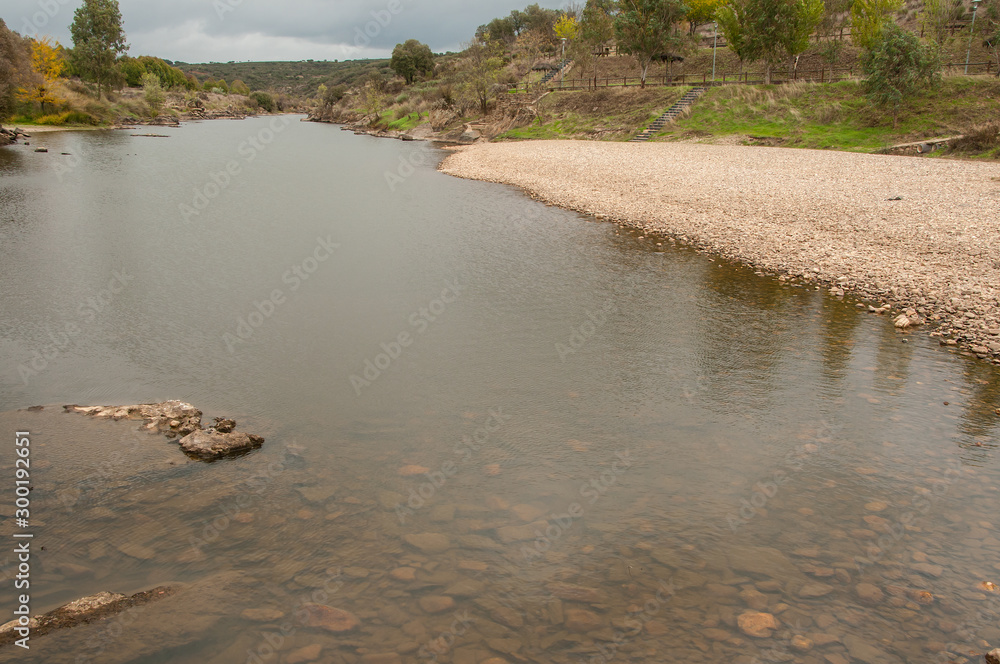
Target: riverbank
[(912, 233)]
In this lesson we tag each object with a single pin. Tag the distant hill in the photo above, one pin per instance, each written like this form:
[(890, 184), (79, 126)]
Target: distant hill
[(294, 78)]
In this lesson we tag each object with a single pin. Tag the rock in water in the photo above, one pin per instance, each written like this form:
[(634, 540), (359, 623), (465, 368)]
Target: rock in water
[(757, 625), (170, 417), (211, 444), (993, 656), (330, 619)]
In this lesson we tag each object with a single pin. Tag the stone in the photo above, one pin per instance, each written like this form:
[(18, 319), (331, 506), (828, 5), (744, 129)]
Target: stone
[(316, 494), (156, 416), (581, 620), (811, 590), (381, 658), (303, 655), (404, 574), (993, 656), (91, 603), (436, 603), (389, 500), (356, 572), (866, 652), (509, 534), (869, 593), (409, 471), (263, 615), (756, 624), (428, 542), (137, 551), (801, 643), (329, 618), (754, 599), (526, 512), (928, 569), (574, 593), (208, 444)]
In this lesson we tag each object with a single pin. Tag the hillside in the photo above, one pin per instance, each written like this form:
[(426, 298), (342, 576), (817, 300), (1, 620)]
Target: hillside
[(300, 79)]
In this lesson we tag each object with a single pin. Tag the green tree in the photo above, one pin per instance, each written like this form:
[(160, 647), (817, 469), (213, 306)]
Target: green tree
[(769, 30), (597, 28), (868, 18), (835, 19), (701, 12), (15, 68), (484, 63), (896, 67), (648, 28), (239, 87), (411, 59), (98, 41), (990, 27), (152, 90)]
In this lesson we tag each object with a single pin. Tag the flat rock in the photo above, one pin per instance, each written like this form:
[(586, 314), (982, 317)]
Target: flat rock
[(756, 624), (866, 652), (329, 618), (315, 494), (304, 655), (869, 593), (436, 603), (404, 574), (137, 551), (811, 590), (209, 444), (168, 416), (509, 534), (581, 620), (428, 542), (574, 593)]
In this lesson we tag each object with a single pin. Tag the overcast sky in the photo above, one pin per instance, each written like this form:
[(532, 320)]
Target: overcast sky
[(224, 30)]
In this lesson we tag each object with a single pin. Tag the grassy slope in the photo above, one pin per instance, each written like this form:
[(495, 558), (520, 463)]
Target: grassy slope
[(836, 116), (299, 78), (608, 114)]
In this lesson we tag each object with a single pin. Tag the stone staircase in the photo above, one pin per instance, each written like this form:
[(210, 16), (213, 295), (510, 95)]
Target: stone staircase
[(687, 100), (555, 72)]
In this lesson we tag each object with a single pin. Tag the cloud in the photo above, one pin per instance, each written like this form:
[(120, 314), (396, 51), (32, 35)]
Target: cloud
[(223, 30)]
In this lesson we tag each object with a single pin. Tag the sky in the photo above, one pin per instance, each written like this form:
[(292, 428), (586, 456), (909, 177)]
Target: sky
[(223, 30)]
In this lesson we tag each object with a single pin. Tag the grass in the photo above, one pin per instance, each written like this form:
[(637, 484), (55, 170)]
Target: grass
[(835, 116), (608, 114), (408, 121)]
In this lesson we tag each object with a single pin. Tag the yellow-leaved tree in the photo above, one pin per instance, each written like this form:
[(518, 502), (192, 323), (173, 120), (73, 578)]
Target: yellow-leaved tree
[(567, 27), (46, 61)]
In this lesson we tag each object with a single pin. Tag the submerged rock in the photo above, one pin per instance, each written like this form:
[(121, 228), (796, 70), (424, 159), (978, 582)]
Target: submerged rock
[(212, 444), (993, 656), (757, 625), (332, 620)]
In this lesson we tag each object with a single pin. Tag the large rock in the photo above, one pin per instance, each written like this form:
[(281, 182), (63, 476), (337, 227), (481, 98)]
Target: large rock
[(993, 656), (211, 444), (757, 625), (581, 620), (329, 618), (428, 542), (174, 418)]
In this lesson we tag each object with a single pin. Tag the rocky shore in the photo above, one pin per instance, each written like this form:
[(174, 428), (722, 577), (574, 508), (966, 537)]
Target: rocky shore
[(182, 421), (917, 236)]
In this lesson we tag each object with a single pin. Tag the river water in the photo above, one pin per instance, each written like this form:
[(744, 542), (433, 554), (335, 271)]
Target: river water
[(494, 429)]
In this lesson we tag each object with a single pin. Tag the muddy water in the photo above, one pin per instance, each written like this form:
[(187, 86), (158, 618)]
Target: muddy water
[(494, 429)]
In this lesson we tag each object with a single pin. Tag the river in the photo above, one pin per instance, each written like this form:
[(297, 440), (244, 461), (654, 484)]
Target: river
[(495, 429)]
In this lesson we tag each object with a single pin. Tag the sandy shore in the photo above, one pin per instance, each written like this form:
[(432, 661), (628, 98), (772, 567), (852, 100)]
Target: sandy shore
[(910, 232)]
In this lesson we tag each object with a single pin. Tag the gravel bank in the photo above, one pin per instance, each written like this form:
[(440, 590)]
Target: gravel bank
[(910, 232)]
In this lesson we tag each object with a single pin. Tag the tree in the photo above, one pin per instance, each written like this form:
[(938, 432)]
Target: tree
[(769, 30), (597, 27), (411, 59), (484, 64), (832, 28), (701, 12), (567, 27), (239, 87), (867, 19), (15, 68), (48, 63), (937, 15), (98, 41), (991, 29), (648, 28), (895, 68), (153, 92)]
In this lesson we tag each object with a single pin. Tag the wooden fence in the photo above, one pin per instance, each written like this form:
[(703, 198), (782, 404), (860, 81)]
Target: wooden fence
[(824, 75)]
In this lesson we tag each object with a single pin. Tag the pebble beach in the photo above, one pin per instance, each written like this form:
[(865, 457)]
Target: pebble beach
[(914, 233)]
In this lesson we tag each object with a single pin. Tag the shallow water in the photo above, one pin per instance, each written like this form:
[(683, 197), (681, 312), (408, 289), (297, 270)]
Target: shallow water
[(683, 439)]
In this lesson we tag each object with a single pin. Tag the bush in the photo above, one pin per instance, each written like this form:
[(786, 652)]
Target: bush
[(67, 117), (895, 68), (263, 100), (981, 138)]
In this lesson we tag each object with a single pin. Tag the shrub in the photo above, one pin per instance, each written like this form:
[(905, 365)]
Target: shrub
[(67, 117), (981, 138), (263, 100)]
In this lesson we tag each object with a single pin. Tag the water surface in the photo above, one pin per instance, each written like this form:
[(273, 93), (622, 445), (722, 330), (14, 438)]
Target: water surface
[(624, 445)]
